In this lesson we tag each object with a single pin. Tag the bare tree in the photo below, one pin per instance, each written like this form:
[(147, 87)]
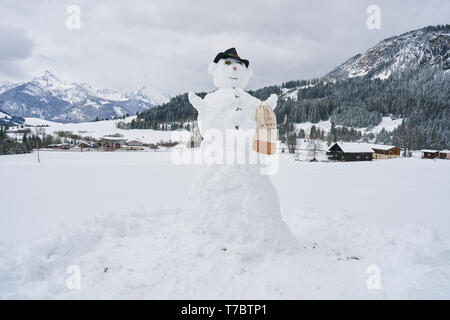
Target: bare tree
[(407, 137), (196, 138), (292, 143), (39, 132), (314, 146), (298, 150), (291, 137)]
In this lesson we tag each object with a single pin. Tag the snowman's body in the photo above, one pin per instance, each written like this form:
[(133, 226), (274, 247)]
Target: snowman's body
[(228, 108), (235, 203)]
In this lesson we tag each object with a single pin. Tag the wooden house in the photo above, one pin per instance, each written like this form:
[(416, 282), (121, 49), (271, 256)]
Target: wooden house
[(444, 154), (430, 154), (83, 146), (133, 145), (348, 151), (113, 143), (60, 146), (385, 152)]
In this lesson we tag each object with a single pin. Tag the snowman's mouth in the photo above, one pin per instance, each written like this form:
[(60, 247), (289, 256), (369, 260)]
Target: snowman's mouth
[(233, 78)]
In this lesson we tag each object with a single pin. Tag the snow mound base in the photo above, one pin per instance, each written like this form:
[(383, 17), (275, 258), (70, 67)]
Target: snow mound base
[(152, 255)]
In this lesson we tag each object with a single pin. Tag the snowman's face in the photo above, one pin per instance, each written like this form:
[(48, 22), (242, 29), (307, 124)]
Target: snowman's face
[(230, 73)]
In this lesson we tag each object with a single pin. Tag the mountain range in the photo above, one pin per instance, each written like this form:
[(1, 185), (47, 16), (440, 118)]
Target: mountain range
[(47, 97)]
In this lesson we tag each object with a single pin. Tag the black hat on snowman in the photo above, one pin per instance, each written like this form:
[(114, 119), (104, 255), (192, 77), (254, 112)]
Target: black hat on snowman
[(231, 53)]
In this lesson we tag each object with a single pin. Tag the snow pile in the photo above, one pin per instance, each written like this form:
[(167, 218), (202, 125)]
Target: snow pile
[(151, 254), (345, 217), (237, 206)]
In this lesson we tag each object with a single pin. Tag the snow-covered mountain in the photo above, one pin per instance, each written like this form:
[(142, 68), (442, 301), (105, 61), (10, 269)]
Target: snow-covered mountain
[(48, 97), (6, 85), (414, 50), (8, 120), (4, 118)]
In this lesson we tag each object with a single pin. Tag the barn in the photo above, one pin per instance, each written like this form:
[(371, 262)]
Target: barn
[(444, 154), (430, 154), (83, 145), (348, 151), (381, 151), (134, 144), (112, 143), (60, 146)]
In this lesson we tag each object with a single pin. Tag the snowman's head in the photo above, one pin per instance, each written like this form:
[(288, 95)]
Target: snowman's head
[(230, 72)]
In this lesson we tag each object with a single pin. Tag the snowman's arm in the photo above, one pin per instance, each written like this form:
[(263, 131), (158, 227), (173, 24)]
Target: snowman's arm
[(197, 102), (272, 101)]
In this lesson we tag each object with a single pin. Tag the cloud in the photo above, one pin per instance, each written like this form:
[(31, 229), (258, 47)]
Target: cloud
[(15, 46), (167, 45)]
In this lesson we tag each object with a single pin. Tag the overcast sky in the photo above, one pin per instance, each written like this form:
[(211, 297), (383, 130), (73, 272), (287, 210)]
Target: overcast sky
[(167, 45)]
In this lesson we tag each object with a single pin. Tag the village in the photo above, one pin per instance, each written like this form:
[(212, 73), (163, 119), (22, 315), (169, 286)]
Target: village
[(112, 143), (314, 151), (99, 136)]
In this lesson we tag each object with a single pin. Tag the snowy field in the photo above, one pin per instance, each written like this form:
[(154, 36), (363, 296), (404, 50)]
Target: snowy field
[(119, 217), (99, 129)]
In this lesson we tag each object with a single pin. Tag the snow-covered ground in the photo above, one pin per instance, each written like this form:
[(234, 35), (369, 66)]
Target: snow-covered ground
[(387, 123), (107, 127), (119, 217), (306, 126)]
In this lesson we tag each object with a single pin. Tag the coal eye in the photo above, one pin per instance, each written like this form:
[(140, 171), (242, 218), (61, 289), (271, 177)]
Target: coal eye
[(227, 62), (240, 63)]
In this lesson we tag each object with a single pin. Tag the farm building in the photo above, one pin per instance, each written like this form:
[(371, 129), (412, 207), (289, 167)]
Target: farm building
[(113, 143), (348, 151), (133, 145), (385, 152), (430, 154), (444, 154), (60, 146), (83, 145)]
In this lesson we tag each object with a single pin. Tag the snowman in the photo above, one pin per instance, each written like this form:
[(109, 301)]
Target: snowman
[(234, 204), (229, 107)]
